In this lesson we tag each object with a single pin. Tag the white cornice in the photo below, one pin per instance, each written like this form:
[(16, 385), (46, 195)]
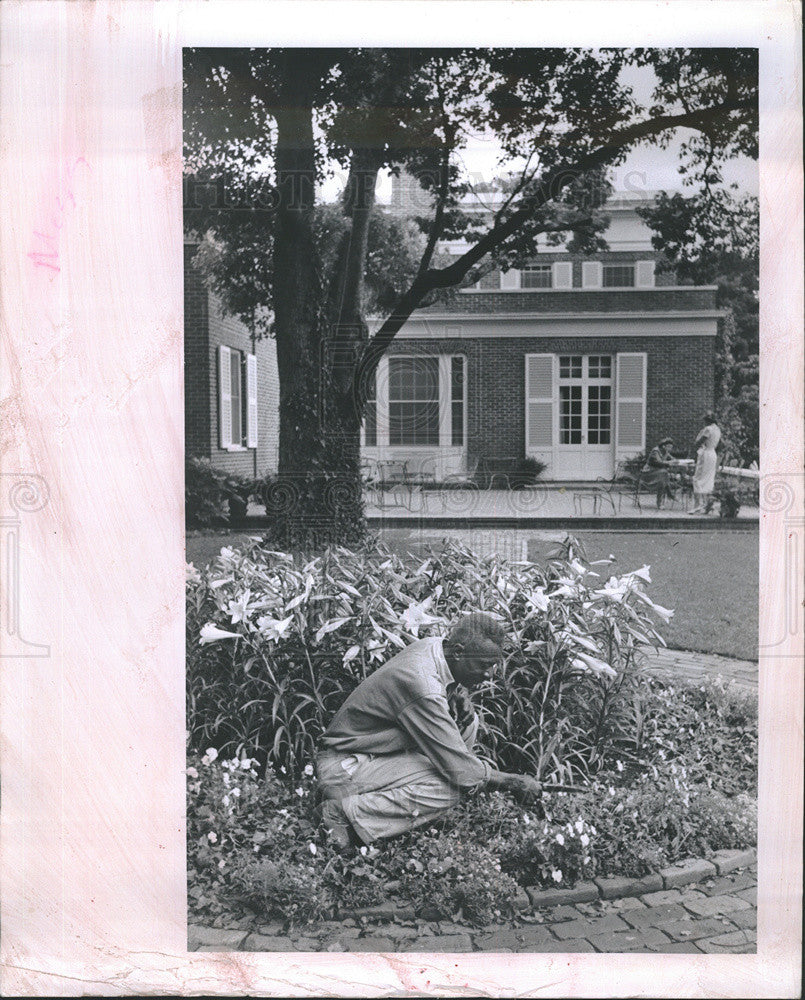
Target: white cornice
[(566, 291), (489, 326)]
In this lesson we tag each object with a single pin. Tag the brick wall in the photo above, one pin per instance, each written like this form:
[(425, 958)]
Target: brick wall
[(680, 383), (196, 350), (206, 328), (587, 300)]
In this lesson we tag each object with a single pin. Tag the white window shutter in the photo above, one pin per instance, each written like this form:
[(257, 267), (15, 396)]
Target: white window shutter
[(644, 276), (538, 402), (563, 274), (591, 274), (630, 405), (251, 401), (225, 397)]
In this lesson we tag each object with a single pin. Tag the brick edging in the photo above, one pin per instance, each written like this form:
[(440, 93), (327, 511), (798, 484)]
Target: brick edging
[(681, 873)]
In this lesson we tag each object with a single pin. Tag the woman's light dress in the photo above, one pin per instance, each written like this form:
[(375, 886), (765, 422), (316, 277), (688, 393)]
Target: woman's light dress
[(704, 477)]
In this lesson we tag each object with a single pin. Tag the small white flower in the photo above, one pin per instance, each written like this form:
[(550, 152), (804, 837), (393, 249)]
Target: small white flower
[(560, 839), (579, 825), (236, 792), (210, 754), (312, 848), (222, 863), (227, 778), (309, 770), (587, 860), (611, 790), (585, 840), (191, 772), (300, 791), (363, 851), (618, 765), (556, 875), (212, 836), (282, 770), (526, 819), (226, 800), (246, 764)]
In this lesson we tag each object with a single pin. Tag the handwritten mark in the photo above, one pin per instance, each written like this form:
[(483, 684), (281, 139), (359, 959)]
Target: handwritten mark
[(48, 255)]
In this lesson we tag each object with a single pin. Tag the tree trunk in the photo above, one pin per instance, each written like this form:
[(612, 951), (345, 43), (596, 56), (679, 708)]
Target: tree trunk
[(315, 499)]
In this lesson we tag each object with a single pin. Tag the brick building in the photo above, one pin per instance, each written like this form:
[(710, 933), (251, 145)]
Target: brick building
[(231, 400), (579, 363)]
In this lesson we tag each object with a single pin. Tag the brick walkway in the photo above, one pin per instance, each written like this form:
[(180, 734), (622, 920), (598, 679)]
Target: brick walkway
[(715, 915), (688, 666)]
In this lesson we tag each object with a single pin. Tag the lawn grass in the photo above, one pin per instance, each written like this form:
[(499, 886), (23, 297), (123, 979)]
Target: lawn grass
[(709, 578)]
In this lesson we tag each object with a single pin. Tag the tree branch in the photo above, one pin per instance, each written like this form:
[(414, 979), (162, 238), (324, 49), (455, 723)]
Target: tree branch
[(555, 181)]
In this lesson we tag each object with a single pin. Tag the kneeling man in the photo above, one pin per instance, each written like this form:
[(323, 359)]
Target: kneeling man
[(394, 757)]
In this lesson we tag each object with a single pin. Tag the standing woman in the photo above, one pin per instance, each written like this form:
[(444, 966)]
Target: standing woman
[(704, 477)]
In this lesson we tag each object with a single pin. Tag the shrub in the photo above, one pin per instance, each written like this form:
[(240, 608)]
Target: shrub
[(212, 496), (526, 473), (449, 875), (274, 647), (285, 889), (205, 493)]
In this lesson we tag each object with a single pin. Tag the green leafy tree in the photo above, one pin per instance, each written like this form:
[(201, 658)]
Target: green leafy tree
[(266, 126)]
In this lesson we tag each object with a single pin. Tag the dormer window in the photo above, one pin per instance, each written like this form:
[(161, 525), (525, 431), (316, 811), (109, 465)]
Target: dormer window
[(618, 275), (537, 276)]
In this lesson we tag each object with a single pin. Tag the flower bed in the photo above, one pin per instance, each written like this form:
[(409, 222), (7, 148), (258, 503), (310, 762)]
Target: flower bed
[(274, 646)]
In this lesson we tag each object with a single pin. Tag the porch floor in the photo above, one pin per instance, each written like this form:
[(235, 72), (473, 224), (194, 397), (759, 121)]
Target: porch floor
[(539, 506)]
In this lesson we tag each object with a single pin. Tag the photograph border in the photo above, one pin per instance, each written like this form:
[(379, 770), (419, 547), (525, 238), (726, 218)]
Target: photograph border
[(92, 827)]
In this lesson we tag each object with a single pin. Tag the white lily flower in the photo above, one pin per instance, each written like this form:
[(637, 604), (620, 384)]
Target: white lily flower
[(239, 609), (665, 613), (191, 574), (211, 633), (351, 653), (591, 663), (274, 629), (416, 615), (613, 590), (538, 599), (556, 875)]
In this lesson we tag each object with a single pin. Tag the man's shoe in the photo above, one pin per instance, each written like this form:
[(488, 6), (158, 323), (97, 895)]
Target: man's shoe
[(336, 825)]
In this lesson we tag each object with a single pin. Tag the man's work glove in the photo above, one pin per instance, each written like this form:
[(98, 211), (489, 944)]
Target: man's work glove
[(524, 788)]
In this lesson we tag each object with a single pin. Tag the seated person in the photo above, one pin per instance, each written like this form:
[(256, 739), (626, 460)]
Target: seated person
[(398, 753), (655, 470)]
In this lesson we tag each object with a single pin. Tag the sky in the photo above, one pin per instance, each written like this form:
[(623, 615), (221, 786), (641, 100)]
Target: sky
[(647, 168)]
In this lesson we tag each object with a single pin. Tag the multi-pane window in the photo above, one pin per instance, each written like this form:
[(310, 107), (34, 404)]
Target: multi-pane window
[(570, 366), (236, 396), (570, 414), (539, 276), (599, 414), (599, 366), (618, 275), (413, 401), (370, 412), (457, 401), (237, 399), (585, 399)]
